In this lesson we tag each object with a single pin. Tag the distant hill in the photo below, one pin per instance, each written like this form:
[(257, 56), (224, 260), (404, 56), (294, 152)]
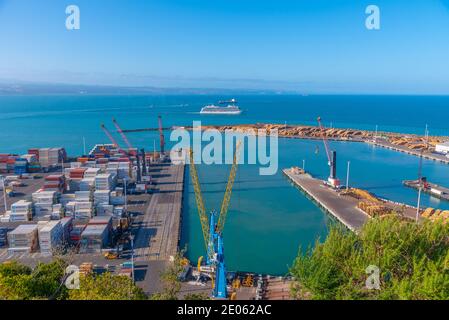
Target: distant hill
[(11, 88)]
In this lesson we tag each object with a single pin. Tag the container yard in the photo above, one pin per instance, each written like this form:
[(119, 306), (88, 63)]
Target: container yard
[(80, 206), (83, 206)]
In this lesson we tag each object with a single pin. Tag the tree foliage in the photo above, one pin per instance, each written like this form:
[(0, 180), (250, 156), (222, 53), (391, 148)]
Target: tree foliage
[(46, 281), (170, 279), (19, 282), (196, 296), (413, 260), (107, 287)]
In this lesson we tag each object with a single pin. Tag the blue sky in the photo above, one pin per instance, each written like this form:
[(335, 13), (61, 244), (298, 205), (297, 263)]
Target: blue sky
[(306, 45)]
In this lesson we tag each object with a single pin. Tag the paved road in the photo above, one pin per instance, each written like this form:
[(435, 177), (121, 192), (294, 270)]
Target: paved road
[(158, 230)]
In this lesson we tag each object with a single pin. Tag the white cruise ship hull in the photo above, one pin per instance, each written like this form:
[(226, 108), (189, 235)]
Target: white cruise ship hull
[(237, 112)]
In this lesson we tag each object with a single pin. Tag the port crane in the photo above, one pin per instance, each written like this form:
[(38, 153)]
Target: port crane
[(332, 180), (131, 150), (111, 138), (161, 134), (212, 226)]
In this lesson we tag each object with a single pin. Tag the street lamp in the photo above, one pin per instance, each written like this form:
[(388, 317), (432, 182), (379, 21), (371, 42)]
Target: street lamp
[(132, 256), (4, 194), (126, 199), (419, 203), (347, 176)]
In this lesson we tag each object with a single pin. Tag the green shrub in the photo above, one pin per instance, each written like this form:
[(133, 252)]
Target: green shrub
[(413, 260)]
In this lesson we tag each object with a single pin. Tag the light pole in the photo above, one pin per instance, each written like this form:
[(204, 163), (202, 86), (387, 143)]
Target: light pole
[(132, 256), (125, 183), (347, 176), (419, 203), (154, 148), (4, 194), (427, 136)]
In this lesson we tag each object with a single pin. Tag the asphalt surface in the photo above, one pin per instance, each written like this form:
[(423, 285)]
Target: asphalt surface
[(23, 193)]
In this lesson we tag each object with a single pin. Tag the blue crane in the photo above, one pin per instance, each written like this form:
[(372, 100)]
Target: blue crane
[(212, 226)]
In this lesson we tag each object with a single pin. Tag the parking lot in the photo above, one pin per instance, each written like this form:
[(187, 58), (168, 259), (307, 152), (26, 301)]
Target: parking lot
[(23, 192)]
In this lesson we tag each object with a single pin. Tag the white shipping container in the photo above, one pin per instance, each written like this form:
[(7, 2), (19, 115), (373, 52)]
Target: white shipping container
[(83, 196), (105, 210), (75, 165), (23, 238), (50, 236), (21, 206)]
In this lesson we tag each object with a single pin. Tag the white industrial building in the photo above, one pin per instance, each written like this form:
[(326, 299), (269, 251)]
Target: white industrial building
[(442, 148)]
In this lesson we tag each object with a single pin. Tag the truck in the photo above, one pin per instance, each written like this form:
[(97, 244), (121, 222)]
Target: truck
[(10, 192), (139, 188), (126, 269)]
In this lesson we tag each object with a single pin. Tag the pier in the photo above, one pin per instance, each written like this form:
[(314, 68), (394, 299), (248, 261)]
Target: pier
[(430, 156), (158, 233), (157, 225), (430, 188), (344, 209)]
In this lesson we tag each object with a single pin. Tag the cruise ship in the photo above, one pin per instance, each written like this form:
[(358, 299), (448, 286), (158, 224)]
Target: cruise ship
[(231, 108)]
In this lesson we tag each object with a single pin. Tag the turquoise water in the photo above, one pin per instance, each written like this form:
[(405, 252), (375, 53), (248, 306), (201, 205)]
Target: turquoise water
[(268, 219), (63, 120)]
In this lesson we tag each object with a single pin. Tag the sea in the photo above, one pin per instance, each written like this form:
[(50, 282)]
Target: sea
[(270, 221)]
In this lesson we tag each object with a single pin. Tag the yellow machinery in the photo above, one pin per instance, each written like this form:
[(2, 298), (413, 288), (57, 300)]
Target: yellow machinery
[(200, 261), (248, 281), (185, 262), (204, 219), (110, 255), (236, 284)]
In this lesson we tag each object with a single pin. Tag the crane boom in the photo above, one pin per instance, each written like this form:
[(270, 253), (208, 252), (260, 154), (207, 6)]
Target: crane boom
[(333, 181), (228, 192), (204, 219), (326, 145), (122, 134), (212, 230), (111, 138), (161, 134)]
